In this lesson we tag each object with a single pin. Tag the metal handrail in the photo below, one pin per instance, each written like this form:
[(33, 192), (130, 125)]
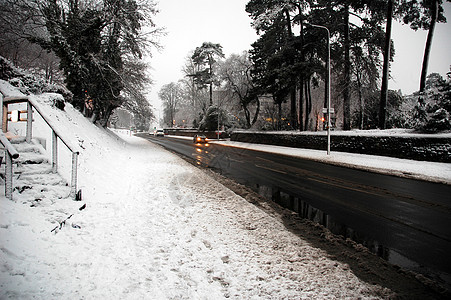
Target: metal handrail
[(10, 154), (8, 146), (55, 135), (72, 148)]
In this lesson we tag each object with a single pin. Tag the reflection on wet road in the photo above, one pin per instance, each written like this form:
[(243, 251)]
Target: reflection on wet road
[(407, 222)]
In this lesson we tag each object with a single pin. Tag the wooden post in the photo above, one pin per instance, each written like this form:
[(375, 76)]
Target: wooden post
[(73, 190), (1, 107), (54, 152), (29, 122), (5, 117), (8, 176)]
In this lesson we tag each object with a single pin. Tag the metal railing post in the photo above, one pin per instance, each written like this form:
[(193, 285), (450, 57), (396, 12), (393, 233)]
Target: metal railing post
[(10, 153), (5, 117), (8, 176), (73, 190), (54, 152), (29, 122), (1, 107)]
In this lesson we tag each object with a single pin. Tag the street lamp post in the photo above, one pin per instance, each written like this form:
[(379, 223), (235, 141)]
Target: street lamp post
[(327, 83)]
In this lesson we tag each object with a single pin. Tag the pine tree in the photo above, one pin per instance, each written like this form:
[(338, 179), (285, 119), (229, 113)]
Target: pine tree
[(434, 113), (206, 57)]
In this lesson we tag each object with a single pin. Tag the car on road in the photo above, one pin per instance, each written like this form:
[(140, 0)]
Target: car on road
[(159, 132), (199, 138)]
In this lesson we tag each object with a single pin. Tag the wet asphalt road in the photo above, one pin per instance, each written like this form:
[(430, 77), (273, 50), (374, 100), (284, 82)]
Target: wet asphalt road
[(406, 221)]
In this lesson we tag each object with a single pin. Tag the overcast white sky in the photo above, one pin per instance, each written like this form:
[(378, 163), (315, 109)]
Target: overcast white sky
[(189, 23)]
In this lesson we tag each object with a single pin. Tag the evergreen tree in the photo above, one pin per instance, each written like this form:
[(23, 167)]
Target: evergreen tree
[(278, 54), (210, 120), (271, 65), (305, 54), (205, 57), (434, 113)]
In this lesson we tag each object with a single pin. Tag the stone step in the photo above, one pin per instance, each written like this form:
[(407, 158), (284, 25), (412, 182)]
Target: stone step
[(34, 181), (29, 153), (30, 193), (31, 158), (41, 179), (30, 169)]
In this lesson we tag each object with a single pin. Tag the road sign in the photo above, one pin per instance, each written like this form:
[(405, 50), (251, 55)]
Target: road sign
[(332, 110)]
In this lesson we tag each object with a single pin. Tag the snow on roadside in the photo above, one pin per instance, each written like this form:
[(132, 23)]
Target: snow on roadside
[(422, 170), (395, 132), (156, 227)]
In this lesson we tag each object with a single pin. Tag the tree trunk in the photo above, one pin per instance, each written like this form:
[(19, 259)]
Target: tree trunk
[(247, 115), (308, 103), (347, 74), (386, 67), (211, 93), (94, 117), (257, 112), (293, 118), (308, 106), (361, 102), (427, 49), (301, 76), (301, 104)]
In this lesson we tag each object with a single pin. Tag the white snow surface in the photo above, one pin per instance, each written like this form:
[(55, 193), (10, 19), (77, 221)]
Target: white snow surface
[(155, 227)]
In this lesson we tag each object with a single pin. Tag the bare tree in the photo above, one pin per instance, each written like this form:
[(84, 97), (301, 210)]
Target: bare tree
[(235, 72), (171, 95)]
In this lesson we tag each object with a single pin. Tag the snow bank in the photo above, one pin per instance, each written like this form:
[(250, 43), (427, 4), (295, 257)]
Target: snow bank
[(423, 170)]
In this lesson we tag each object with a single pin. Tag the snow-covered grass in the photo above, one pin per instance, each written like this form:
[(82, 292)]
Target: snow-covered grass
[(156, 227)]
